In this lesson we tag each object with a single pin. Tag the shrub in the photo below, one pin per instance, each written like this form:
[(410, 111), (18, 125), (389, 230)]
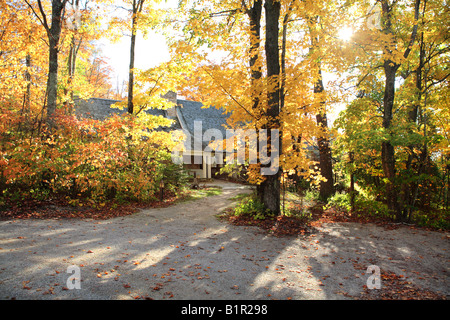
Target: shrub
[(94, 160), (252, 207), (363, 205), (312, 195), (340, 201), (438, 220), (371, 207)]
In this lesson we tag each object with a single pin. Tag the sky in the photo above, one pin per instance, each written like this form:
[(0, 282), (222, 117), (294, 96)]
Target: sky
[(149, 52)]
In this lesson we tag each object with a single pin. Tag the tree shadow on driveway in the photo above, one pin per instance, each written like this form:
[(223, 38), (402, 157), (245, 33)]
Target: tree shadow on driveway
[(185, 252)]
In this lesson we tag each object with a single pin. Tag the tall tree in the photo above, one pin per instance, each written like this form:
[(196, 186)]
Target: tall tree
[(402, 76), (271, 183), (136, 9), (421, 76), (262, 89), (390, 67), (142, 16), (326, 188), (53, 34)]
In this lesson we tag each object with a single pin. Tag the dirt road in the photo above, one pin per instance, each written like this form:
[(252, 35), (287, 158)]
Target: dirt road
[(185, 252)]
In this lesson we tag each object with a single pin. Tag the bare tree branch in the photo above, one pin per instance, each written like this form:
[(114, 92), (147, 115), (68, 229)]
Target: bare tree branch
[(43, 21)]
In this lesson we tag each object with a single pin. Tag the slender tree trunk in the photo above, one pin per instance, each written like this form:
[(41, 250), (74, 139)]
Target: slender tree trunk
[(387, 149), (27, 100), (325, 160), (131, 68), (71, 65), (54, 34), (137, 6), (72, 58), (26, 106), (283, 55), (271, 184), (254, 14), (52, 83)]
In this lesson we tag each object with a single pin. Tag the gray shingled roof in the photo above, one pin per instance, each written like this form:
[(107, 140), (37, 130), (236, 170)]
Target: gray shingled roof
[(187, 111), (211, 118), (100, 109), (96, 108)]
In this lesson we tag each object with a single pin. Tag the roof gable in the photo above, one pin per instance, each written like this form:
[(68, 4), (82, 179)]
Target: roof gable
[(211, 118), (189, 112)]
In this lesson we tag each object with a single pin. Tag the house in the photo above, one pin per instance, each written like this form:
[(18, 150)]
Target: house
[(196, 123), (187, 116)]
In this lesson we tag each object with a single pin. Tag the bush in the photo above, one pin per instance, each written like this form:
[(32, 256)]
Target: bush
[(363, 205), (294, 211), (93, 160), (371, 207), (312, 195), (340, 201), (437, 221), (252, 207)]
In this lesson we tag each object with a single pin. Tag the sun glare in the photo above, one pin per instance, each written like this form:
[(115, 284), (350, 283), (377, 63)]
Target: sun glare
[(345, 34)]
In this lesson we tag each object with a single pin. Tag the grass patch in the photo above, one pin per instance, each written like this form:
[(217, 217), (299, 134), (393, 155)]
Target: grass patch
[(202, 192), (240, 196)]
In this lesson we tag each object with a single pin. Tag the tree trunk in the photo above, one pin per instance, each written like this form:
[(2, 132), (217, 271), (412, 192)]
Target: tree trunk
[(283, 56), (271, 184), (52, 83), (137, 6), (390, 69), (131, 68), (325, 161), (387, 149), (71, 65), (27, 100), (71, 61), (54, 34), (254, 14), (54, 37)]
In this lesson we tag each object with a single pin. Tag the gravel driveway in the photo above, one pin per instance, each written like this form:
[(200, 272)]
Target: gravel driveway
[(185, 252)]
